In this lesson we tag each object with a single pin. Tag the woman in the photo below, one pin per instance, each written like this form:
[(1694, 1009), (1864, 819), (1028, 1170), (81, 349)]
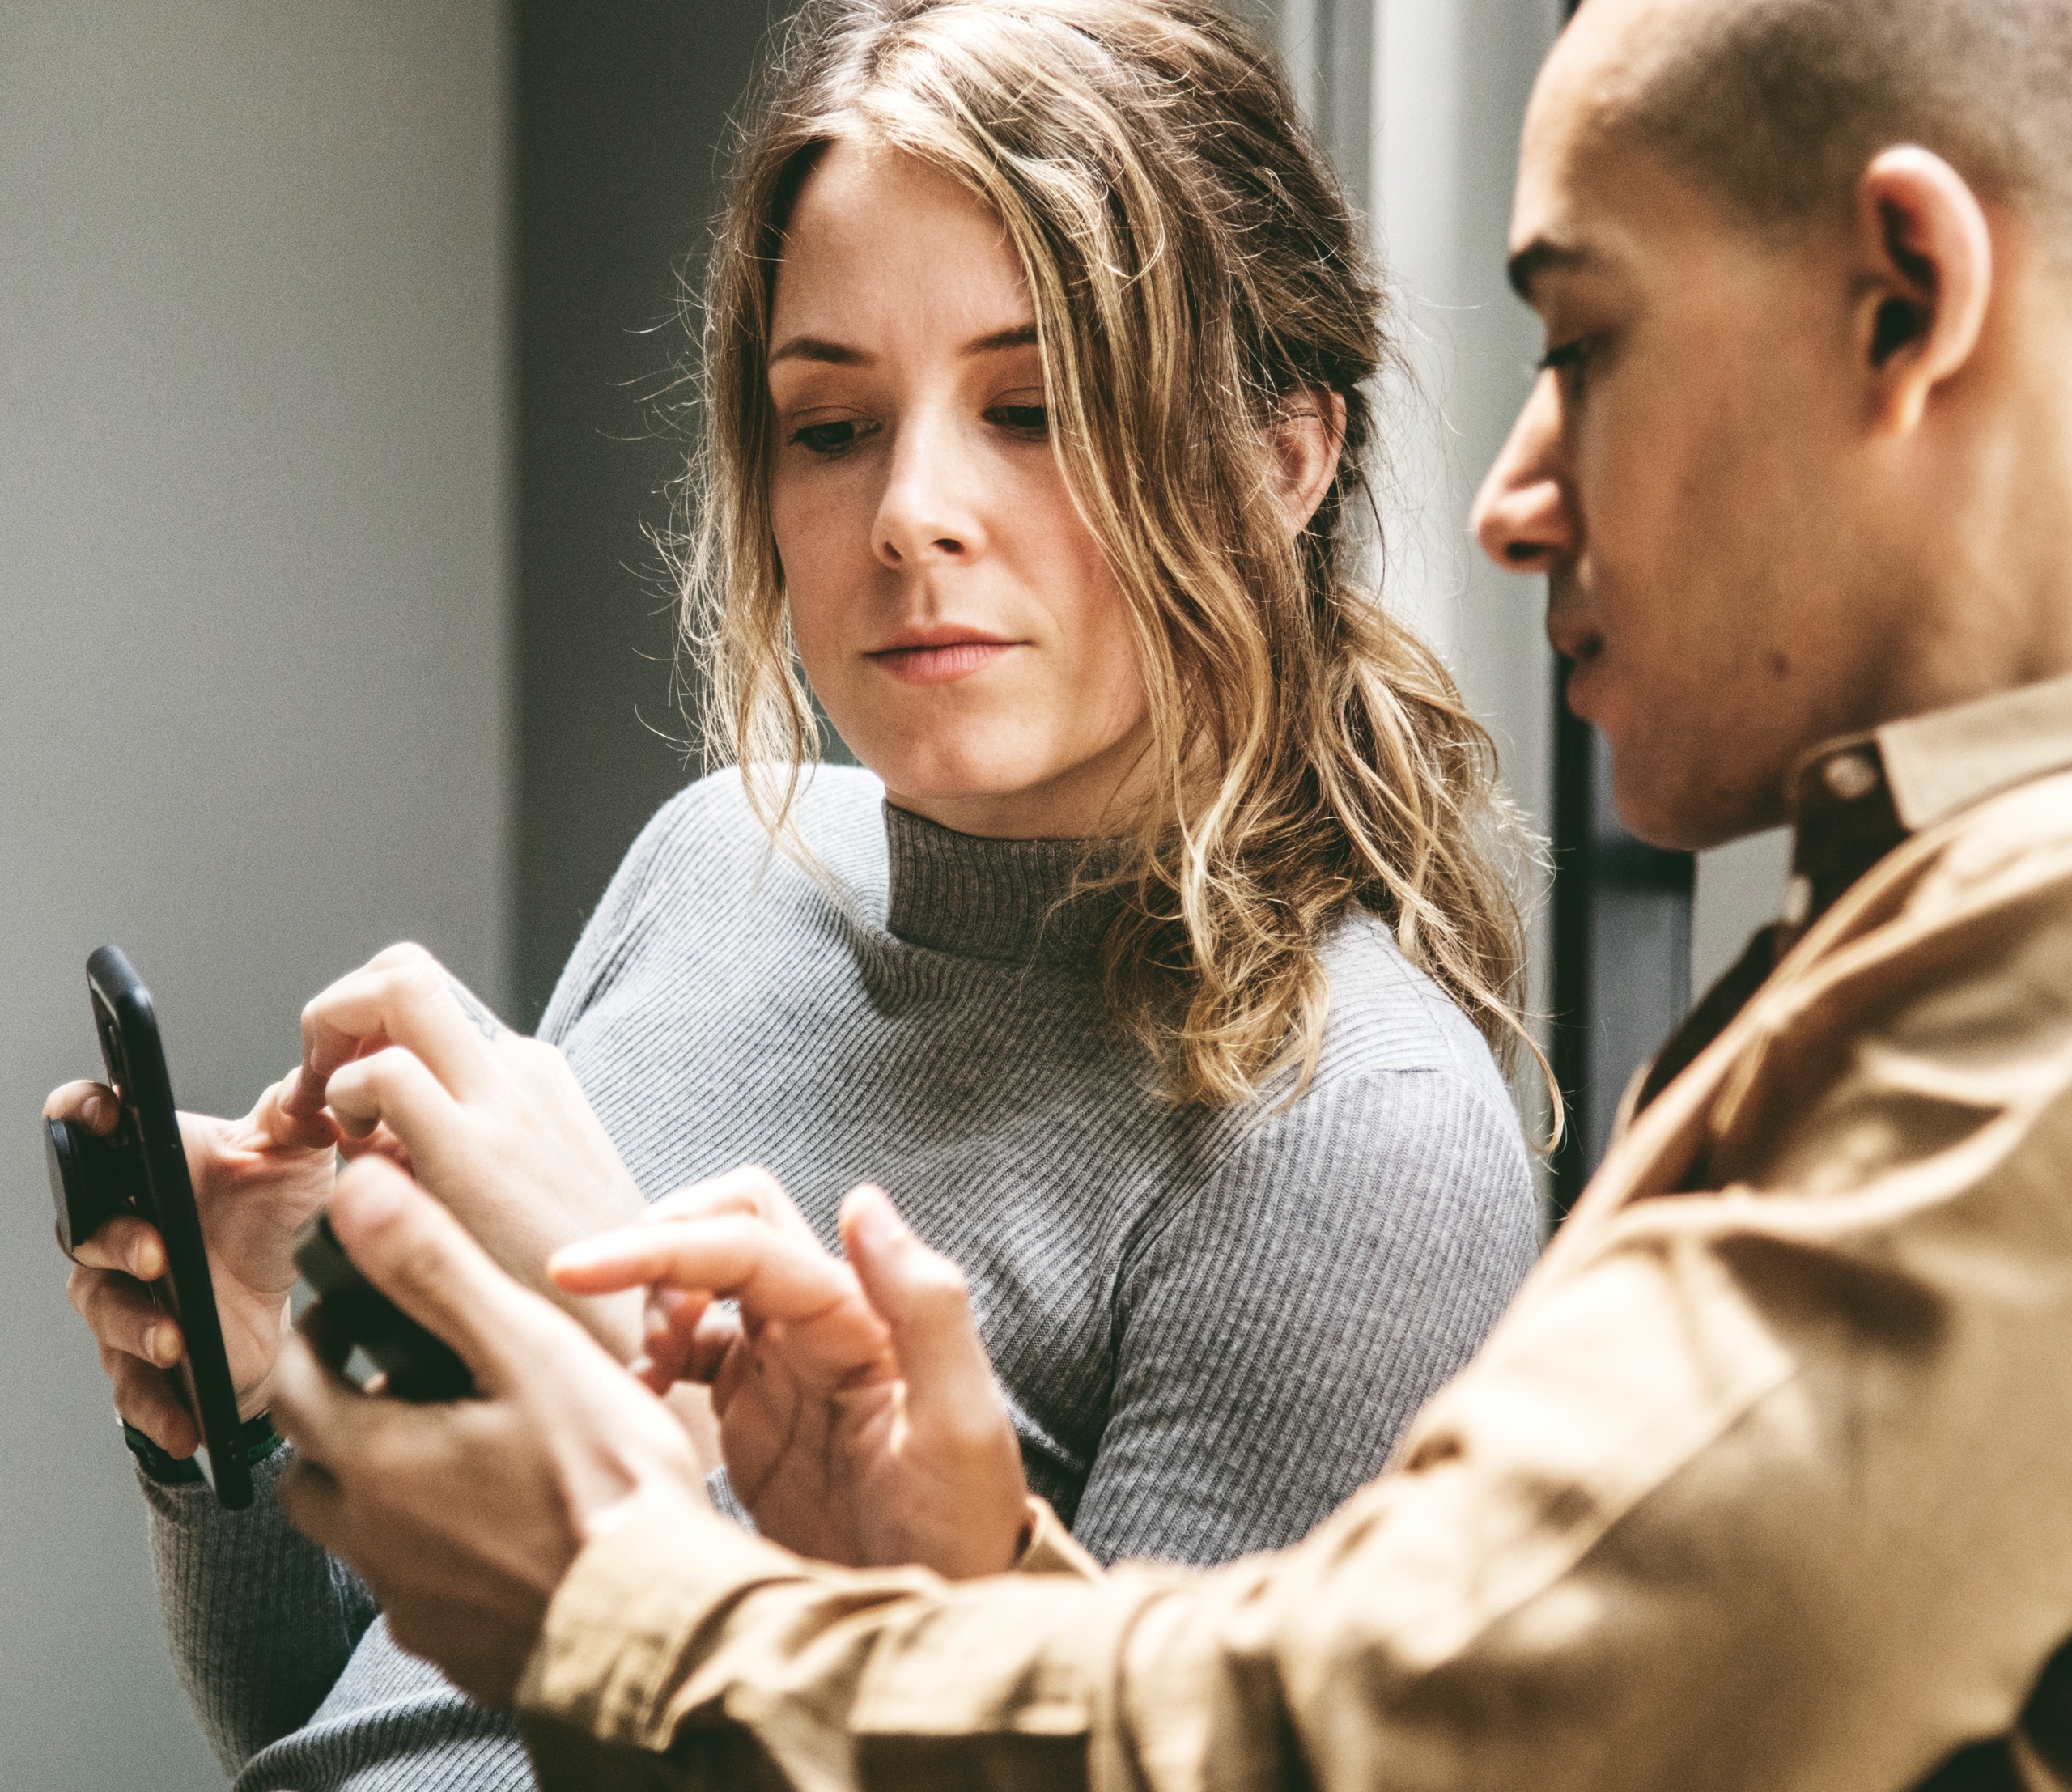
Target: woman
[(1154, 963)]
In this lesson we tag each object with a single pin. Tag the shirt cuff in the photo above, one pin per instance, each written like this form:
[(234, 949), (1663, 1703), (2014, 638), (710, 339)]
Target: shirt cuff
[(639, 1604), (619, 1627), (1051, 1549)]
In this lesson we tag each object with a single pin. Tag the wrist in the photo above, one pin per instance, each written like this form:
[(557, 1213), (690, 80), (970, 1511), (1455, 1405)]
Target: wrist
[(257, 1440), (650, 1472), (659, 1496), (256, 1395)]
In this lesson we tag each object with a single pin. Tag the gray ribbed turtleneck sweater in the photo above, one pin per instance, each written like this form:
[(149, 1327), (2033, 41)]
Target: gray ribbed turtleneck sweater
[(1210, 1326)]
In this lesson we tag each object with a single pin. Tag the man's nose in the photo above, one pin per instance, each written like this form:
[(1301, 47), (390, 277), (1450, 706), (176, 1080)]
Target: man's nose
[(924, 515), (1524, 516)]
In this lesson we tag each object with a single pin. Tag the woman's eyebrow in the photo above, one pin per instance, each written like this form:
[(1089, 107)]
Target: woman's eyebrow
[(818, 348), (840, 355), (1022, 336)]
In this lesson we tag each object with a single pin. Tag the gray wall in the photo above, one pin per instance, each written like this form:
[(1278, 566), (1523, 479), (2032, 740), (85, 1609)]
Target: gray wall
[(252, 655), (620, 107)]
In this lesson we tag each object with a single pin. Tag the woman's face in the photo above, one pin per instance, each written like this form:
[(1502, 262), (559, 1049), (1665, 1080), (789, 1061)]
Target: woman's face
[(955, 615)]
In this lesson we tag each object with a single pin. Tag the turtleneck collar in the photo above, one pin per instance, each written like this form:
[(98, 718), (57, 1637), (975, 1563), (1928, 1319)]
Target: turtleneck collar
[(995, 899)]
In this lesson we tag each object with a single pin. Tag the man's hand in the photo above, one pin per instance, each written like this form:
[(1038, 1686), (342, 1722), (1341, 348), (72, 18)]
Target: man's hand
[(255, 1181), (492, 1123), (463, 1519), (859, 1417)]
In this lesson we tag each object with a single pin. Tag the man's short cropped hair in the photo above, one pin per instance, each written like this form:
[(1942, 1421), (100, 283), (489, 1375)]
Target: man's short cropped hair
[(1779, 105)]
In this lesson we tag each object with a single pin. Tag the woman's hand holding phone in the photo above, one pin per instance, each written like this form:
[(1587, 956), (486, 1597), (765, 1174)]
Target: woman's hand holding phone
[(860, 1417), (401, 1060), (493, 1123), (255, 1179)]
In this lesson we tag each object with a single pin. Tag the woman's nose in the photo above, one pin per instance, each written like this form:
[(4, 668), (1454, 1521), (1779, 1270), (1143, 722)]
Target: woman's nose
[(1524, 516), (925, 514)]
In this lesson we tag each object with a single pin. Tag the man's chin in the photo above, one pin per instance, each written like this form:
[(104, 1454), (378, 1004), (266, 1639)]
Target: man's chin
[(1691, 814)]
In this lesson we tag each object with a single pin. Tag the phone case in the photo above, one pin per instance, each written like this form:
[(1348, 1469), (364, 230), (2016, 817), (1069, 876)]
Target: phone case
[(352, 1313), (141, 1167)]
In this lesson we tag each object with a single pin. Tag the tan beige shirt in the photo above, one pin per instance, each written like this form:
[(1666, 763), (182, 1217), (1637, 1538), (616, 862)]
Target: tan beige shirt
[(1765, 1481)]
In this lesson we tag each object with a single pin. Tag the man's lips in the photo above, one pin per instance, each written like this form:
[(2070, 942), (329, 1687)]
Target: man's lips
[(938, 656), (1572, 637), (1580, 647), (1576, 687)]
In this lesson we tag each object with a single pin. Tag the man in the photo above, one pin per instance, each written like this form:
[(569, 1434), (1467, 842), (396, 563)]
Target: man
[(1762, 1481)]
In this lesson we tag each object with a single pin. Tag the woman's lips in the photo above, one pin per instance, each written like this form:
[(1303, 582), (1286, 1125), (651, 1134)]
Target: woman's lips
[(941, 663)]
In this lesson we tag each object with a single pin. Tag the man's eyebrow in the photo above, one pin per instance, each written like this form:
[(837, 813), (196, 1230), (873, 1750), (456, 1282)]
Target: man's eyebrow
[(1540, 256), (817, 348)]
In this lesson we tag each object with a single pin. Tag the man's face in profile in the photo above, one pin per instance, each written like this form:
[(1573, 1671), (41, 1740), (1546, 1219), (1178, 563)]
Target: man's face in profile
[(1691, 469)]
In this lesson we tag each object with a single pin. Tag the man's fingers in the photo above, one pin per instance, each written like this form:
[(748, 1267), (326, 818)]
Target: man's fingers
[(89, 1104), (413, 1250), (667, 1326), (406, 997), (772, 1276), (316, 1408), (718, 1331), (830, 1334), (126, 1244), (748, 1189), (920, 1294), (393, 1088), (315, 1504)]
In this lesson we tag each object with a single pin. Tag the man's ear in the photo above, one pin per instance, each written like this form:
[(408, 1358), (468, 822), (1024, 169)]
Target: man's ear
[(1929, 280), (1305, 436)]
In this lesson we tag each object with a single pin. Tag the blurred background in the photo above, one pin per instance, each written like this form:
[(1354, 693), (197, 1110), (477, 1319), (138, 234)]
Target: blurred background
[(335, 347)]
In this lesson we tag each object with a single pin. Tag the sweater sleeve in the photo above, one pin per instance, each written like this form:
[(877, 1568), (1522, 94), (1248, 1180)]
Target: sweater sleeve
[(262, 1622), (1278, 1329), (678, 837)]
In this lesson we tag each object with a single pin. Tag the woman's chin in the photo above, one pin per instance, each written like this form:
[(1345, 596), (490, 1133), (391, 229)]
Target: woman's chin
[(996, 800), (993, 774)]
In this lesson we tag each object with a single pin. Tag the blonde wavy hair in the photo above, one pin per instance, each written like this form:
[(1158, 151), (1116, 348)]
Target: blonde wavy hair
[(1195, 271)]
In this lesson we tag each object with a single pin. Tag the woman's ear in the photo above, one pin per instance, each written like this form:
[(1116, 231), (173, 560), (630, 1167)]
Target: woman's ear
[(1305, 436), (1928, 283)]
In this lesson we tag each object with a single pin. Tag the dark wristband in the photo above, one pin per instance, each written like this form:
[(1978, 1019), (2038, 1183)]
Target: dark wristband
[(257, 1440)]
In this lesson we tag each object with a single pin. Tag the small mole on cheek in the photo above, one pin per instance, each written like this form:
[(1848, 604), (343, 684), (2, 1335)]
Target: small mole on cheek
[(1779, 665)]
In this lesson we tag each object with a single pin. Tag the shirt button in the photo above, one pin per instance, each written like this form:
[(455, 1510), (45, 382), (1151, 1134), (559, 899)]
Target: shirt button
[(1850, 775)]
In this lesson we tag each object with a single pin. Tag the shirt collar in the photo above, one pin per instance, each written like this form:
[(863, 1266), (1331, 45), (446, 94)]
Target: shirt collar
[(1856, 798)]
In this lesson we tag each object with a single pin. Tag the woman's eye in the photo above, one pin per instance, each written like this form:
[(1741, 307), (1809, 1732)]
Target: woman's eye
[(1023, 419), (829, 439)]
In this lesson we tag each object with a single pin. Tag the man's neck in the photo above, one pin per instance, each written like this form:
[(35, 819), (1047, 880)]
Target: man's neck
[(1988, 607)]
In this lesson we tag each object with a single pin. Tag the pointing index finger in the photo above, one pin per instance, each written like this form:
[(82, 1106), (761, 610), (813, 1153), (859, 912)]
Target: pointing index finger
[(405, 997)]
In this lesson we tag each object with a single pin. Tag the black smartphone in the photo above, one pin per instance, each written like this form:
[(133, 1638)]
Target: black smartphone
[(352, 1316), (141, 1168)]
